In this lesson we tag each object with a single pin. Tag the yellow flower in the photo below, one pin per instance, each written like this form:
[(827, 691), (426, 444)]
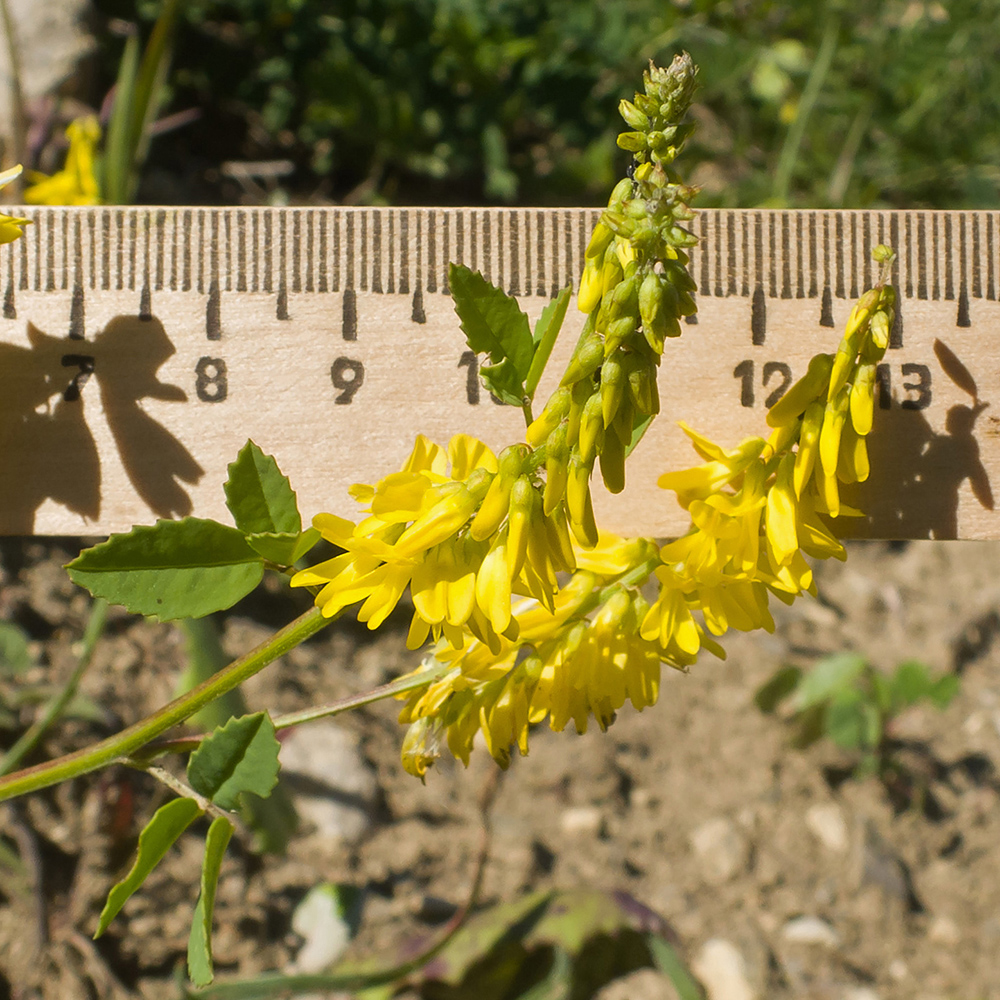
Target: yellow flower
[(76, 183), (11, 227)]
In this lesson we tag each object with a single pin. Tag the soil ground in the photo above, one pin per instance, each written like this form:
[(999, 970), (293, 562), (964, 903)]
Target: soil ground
[(697, 807)]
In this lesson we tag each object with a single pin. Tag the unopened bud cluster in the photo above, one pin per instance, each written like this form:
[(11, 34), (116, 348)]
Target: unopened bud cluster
[(635, 289)]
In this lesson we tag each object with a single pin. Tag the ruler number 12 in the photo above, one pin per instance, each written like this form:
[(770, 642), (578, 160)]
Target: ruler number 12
[(917, 385)]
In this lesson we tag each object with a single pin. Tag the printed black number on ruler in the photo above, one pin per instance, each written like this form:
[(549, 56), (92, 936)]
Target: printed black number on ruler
[(347, 376), (211, 380), (916, 384)]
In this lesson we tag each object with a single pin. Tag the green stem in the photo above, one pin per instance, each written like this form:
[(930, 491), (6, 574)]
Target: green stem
[(188, 744), (129, 740), (29, 739), (797, 131)]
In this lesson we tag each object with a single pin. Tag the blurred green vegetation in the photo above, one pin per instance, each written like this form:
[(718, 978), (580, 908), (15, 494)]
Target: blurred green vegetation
[(813, 103)]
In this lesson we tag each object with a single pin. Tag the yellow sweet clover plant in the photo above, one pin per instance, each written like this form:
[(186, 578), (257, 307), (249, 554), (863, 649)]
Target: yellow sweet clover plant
[(532, 612)]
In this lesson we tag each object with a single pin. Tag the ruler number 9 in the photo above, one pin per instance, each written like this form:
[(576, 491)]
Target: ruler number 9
[(348, 376)]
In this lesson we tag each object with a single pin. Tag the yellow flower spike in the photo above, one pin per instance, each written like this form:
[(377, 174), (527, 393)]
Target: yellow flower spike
[(495, 504), (780, 518), (625, 251), (863, 398), (579, 504), (812, 386), (834, 419), (493, 585), (805, 456), (444, 518), (591, 429), (11, 227), (556, 458), (523, 501)]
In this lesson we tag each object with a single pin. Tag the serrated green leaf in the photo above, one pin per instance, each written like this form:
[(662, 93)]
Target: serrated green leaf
[(174, 569), (782, 683), (494, 324), (241, 756), (544, 336), (199, 954), (259, 496), (15, 655), (284, 548), (167, 824), (830, 675)]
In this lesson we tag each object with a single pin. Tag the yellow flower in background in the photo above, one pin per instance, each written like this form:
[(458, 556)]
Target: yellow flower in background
[(76, 183), (11, 227)]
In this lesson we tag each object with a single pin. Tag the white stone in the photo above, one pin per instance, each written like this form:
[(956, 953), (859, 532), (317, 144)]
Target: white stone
[(581, 820), (944, 930), (826, 821), (343, 786), (810, 930), (723, 971), (721, 848), (319, 921), (898, 969)]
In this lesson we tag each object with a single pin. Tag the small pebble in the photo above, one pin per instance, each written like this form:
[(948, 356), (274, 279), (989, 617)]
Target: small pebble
[(723, 971), (721, 848), (584, 820), (810, 930), (826, 821)]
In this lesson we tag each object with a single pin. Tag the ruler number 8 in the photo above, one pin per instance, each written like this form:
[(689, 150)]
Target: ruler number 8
[(211, 381), (348, 376)]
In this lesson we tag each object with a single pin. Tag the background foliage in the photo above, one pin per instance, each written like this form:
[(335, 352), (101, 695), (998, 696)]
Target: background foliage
[(818, 103)]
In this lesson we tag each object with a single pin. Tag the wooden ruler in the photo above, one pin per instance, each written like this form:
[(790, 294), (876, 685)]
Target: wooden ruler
[(140, 348)]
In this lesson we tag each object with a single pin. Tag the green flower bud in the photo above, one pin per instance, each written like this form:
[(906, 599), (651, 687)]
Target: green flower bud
[(634, 118), (612, 386), (585, 361), (556, 457), (591, 429)]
